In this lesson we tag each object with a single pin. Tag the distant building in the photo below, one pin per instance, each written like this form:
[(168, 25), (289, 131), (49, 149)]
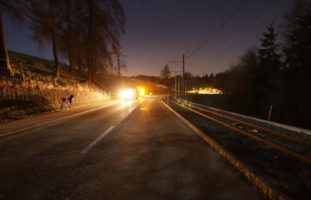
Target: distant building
[(208, 90)]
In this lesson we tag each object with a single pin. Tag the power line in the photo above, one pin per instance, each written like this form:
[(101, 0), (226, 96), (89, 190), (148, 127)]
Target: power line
[(222, 27), (261, 18), (216, 32), (212, 6)]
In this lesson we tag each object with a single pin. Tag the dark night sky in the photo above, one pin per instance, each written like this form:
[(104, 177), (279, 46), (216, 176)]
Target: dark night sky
[(158, 31)]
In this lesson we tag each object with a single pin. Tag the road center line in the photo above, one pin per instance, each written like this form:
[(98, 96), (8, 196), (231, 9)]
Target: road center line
[(97, 139)]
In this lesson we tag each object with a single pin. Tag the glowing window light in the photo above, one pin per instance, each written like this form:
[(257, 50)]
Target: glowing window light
[(204, 91)]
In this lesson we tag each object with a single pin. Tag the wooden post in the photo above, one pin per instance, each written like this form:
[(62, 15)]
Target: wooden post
[(270, 112)]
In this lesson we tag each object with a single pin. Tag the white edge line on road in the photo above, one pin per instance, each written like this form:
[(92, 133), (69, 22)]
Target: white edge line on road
[(108, 131), (56, 120), (97, 139)]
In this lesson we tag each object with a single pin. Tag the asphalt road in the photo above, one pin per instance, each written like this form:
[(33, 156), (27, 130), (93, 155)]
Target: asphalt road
[(114, 153)]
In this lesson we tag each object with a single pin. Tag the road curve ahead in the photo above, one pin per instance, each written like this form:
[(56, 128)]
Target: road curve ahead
[(150, 154)]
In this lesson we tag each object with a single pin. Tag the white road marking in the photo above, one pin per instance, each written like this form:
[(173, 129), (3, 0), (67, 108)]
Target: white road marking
[(60, 119), (97, 139), (109, 129)]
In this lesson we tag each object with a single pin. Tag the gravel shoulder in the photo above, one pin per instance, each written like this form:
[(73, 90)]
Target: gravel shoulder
[(290, 176)]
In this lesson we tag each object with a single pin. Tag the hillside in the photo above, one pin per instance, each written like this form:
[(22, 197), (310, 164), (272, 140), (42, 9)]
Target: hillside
[(32, 90)]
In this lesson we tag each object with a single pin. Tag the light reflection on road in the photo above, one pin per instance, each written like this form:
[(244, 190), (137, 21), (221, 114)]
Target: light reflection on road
[(126, 103), (127, 106)]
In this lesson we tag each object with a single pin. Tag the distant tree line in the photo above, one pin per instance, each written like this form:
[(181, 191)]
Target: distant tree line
[(85, 32), (165, 75), (277, 75)]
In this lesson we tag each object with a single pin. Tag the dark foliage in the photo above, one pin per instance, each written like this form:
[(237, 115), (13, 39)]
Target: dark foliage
[(273, 75), (84, 32), (165, 74)]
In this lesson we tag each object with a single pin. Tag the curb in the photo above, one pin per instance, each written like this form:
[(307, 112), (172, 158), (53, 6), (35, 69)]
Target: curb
[(268, 191), (48, 123)]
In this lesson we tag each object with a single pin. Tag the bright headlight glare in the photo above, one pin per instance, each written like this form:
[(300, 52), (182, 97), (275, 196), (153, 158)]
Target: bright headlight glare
[(141, 91), (127, 94)]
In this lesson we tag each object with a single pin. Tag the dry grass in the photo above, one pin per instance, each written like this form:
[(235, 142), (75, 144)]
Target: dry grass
[(33, 90)]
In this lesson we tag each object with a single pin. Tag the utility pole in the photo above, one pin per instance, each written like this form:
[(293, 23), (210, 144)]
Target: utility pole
[(183, 75), (182, 82), (176, 86), (119, 55), (118, 62)]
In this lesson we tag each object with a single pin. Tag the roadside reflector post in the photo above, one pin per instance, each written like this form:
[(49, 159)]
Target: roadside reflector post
[(270, 112)]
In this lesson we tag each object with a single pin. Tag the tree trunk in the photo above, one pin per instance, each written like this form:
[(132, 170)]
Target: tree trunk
[(70, 42), (4, 56), (54, 40), (90, 46)]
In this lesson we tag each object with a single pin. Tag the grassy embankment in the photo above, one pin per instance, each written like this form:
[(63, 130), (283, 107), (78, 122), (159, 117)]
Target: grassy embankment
[(33, 90)]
